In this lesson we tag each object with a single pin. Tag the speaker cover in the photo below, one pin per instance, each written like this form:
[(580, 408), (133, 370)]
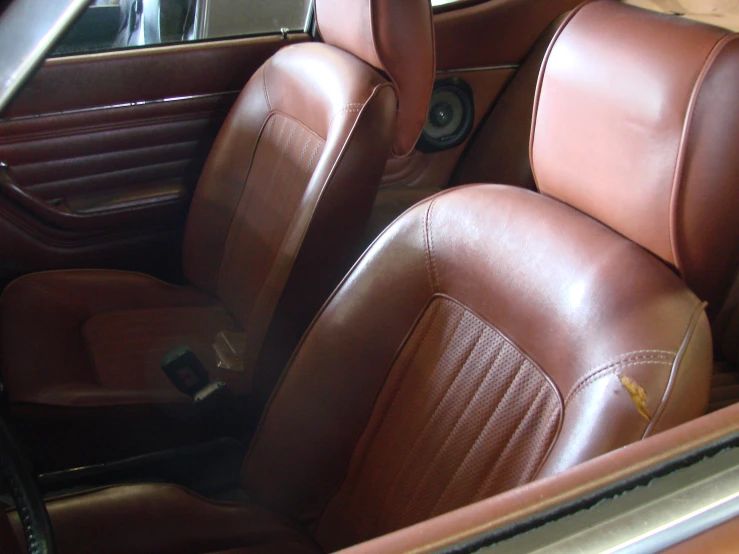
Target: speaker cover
[(451, 115)]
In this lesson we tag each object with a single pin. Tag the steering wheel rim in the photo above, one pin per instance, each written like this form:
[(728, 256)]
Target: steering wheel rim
[(27, 496)]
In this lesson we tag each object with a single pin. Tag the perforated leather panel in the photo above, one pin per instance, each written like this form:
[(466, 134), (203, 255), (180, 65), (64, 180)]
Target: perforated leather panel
[(464, 415), (283, 164)]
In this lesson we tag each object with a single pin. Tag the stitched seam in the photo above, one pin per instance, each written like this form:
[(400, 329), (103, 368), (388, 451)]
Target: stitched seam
[(680, 163), (283, 153), (540, 86), (629, 355), (354, 107), (559, 416), (313, 159), (427, 246), (687, 340), (606, 372), (267, 127), (264, 86), (355, 469), (298, 166), (612, 364), (246, 194), (432, 260)]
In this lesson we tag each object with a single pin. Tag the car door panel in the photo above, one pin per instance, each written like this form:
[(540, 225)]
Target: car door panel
[(84, 151), (105, 149)]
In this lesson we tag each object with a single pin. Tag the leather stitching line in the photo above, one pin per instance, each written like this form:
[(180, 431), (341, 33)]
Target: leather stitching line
[(427, 249), (675, 369), (435, 274), (264, 133), (680, 162), (264, 86), (356, 107), (604, 372), (614, 363), (631, 355), (313, 158), (540, 86)]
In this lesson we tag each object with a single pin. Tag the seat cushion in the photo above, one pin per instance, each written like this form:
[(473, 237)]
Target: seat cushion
[(96, 338), (165, 519)]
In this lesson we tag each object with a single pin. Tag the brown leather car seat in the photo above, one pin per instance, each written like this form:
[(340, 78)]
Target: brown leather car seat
[(285, 193), (492, 335)]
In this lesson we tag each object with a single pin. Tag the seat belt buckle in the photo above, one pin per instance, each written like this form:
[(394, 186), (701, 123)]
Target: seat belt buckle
[(188, 374)]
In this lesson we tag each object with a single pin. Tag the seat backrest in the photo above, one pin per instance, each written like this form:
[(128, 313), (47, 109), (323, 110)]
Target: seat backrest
[(493, 335), (295, 168), (668, 126)]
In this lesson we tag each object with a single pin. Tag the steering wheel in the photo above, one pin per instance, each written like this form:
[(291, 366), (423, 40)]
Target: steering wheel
[(26, 494)]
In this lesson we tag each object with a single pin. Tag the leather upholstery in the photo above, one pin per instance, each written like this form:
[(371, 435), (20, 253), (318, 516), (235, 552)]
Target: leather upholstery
[(458, 391), (564, 308), (319, 141), (111, 329), (499, 151), (378, 31), (649, 125), (283, 197), (491, 337)]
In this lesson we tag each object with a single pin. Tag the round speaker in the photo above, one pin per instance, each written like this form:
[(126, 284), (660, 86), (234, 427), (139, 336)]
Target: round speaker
[(451, 114)]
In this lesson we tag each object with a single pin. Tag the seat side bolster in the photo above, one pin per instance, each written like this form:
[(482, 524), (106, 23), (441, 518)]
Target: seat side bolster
[(686, 397)]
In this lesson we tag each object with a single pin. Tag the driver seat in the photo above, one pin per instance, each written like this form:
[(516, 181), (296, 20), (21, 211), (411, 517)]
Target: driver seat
[(493, 336)]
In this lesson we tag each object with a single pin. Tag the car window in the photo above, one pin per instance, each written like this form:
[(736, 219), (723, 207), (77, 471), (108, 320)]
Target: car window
[(110, 24), (724, 13)]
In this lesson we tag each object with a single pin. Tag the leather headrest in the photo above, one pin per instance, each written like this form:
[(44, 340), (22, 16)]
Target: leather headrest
[(396, 37), (636, 123)]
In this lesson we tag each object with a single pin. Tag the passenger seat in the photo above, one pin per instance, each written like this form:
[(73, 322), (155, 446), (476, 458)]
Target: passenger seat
[(283, 197)]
